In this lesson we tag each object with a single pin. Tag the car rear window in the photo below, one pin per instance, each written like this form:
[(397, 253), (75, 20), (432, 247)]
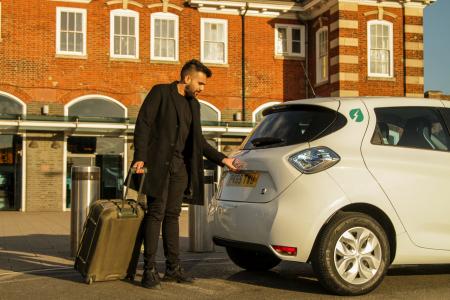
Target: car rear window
[(285, 125)]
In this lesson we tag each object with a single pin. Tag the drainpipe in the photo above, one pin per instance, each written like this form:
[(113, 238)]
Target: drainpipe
[(243, 59), (306, 81), (404, 51)]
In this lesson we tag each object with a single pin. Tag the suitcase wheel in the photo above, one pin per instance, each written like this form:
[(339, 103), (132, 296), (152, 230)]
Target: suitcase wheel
[(89, 280)]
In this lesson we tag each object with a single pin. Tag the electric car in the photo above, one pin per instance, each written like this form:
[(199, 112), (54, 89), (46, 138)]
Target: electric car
[(350, 185)]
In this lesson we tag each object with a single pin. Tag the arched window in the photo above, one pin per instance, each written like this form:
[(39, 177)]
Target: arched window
[(209, 112), (257, 113), (322, 55), (96, 106), (10, 105)]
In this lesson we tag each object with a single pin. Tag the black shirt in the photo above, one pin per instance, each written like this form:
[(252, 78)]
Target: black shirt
[(184, 123)]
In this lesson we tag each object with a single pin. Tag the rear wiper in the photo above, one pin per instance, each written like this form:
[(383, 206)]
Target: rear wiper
[(266, 140)]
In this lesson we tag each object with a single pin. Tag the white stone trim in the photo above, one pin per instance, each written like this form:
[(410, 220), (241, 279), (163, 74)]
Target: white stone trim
[(415, 46), (125, 3), (414, 95), (345, 93), (343, 41), (414, 11), (344, 59), (343, 76), (414, 63), (414, 29), (414, 80), (348, 24)]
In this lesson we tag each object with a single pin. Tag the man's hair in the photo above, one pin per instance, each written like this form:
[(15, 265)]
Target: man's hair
[(194, 65)]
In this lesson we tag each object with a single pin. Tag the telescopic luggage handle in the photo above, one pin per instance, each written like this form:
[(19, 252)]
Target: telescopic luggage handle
[(141, 184)]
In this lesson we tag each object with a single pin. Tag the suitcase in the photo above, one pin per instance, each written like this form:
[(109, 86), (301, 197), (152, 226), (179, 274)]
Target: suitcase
[(112, 237)]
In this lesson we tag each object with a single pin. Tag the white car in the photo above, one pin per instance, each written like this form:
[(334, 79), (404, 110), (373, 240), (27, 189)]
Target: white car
[(351, 185)]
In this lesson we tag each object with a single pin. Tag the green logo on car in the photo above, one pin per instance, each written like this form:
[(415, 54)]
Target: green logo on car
[(356, 115)]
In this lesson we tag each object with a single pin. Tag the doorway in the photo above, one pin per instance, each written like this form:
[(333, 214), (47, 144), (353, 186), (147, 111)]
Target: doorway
[(10, 172)]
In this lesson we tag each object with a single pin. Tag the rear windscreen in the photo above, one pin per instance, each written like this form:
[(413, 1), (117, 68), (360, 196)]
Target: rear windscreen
[(292, 124)]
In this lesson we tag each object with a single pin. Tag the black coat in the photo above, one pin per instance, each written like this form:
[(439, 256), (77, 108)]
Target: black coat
[(155, 136)]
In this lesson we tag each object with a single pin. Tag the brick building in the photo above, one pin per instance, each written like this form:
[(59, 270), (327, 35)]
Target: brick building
[(73, 74)]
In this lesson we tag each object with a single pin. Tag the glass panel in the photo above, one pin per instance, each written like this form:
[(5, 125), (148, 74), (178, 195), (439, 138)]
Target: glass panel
[(172, 29), (71, 21), (124, 26), (96, 108), (282, 40), (71, 42), (79, 42), (132, 26), (207, 32), (220, 33), (116, 25), (385, 30), (296, 34), (296, 47), (157, 28), (9, 169), (9, 106), (63, 41), (163, 28), (157, 47), (78, 22), (163, 48), (171, 48), (132, 46), (63, 20), (116, 45), (207, 113), (123, 45)]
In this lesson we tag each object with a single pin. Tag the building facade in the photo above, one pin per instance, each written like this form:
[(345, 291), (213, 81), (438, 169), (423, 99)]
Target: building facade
[(73, 74)]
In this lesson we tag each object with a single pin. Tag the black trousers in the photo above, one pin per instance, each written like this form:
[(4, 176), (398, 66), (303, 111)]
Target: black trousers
[(165, 211)]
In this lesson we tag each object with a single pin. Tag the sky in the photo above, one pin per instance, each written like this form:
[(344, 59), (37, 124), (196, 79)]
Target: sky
[(437, 46)]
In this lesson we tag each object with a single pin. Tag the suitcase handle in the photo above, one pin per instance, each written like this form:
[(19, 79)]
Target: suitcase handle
[(131, 171)]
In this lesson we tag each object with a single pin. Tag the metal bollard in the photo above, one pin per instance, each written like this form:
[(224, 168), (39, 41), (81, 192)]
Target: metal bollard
[(85, 190), (200, 237)]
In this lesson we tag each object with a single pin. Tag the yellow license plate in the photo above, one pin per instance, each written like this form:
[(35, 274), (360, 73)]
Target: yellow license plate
[(243, 179)]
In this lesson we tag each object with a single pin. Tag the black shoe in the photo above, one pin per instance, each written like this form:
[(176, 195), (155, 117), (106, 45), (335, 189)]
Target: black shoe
[(177, 274), (150, 279)]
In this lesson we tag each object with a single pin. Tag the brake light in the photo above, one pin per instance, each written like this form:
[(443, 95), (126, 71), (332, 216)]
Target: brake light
[(314, 160), (285, 250)]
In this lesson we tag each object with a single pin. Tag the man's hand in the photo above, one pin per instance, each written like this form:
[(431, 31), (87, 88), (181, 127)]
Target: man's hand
[(233, 164), (139, 165)]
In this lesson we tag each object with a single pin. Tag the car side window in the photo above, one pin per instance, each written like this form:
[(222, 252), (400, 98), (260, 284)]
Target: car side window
[(412, 127), (446, 114)]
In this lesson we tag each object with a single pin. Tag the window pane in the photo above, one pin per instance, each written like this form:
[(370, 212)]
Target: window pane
[(116, 25), (63, 21), (385, 30), (220, 33), (171, 48), (132, 26), (157, 28), (163, 48), (123, 45), (78, 22), (172, 29), (157, 47), (132, 46), (71, 21), (373, 29), (207, 32), (124, 25), (79, 42), (163, 28), (71, 42), (63, 41), (415, 127), (116, 45), (296, 47), (296, 34), (282, 40), (214, 32)]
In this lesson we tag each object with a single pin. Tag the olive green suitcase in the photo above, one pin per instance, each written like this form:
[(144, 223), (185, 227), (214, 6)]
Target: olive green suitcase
[(112, 238)]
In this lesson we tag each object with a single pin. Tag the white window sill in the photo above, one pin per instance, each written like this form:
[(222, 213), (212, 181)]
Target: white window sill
[(288, 57), (74, 56), (124, 59), (167, 62), (381, 78)]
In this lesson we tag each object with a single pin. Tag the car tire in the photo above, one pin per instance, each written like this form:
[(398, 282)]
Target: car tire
[(352, 254), (252, 260)]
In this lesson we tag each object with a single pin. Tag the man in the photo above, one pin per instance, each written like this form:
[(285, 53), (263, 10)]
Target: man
[(168, 141)]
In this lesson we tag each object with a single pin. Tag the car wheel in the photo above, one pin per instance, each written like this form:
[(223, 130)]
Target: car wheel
[(352, 254), (252, 260)]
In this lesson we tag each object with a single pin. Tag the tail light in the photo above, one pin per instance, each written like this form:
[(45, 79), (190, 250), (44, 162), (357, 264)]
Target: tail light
[(314, 160), (285, 250)]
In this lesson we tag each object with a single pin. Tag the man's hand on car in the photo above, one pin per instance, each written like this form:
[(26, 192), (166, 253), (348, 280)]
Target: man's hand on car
[(139, 165)]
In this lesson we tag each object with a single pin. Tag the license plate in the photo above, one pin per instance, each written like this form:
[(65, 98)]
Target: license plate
[(243, 179)]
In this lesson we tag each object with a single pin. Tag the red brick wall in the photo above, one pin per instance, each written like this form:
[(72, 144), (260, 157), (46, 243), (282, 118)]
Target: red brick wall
[(30, 70)]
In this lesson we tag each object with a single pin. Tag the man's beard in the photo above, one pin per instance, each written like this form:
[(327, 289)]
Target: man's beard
[(189, 93)]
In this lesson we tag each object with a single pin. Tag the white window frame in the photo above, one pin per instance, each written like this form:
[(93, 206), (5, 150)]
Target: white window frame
[(319, 78), (166, 16), (123, 13), (202, 40), (289, 28), (391, 48), (83, 12)]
